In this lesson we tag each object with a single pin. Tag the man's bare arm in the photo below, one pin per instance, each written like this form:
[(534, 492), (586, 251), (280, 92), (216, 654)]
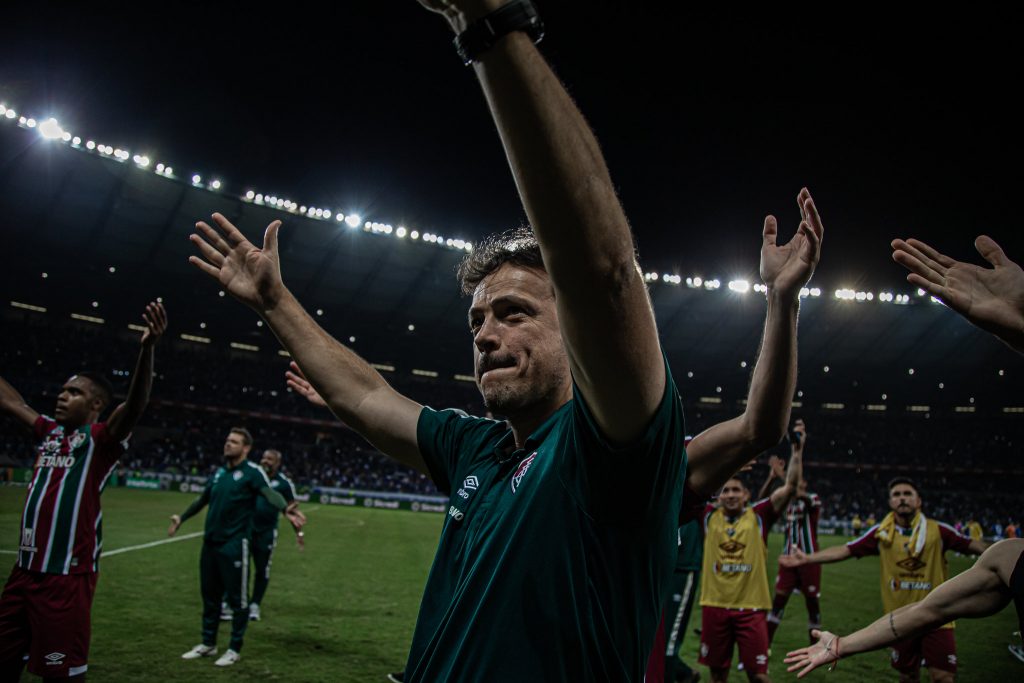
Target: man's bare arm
[(980, 591), (14, 405), (354, 391), (718, 453), (836, 553), (124, 418), (604, 311), (794, 472)]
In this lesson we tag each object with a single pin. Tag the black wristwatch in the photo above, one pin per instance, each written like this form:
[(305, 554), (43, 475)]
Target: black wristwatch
[(482, 34)]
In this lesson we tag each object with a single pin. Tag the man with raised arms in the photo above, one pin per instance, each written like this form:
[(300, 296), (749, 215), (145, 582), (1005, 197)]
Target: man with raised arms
[(554, 558), (46, 604)]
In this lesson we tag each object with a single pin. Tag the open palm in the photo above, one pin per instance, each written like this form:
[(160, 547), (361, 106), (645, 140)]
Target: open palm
[(250, 274), (807, 659), (787, 267), (991, 298)]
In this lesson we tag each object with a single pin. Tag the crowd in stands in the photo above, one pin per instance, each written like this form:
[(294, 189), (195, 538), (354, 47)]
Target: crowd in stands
[(962, 464)]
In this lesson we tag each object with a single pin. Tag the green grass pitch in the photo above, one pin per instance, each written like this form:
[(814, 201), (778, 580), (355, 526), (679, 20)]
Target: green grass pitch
[(344, 609)]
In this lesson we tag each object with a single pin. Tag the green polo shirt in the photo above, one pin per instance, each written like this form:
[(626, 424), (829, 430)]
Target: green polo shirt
[(232, 495), (554, 559), (266, 515), (691, 547)]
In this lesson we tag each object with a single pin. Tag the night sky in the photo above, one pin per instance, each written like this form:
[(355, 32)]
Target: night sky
[(900, 125)]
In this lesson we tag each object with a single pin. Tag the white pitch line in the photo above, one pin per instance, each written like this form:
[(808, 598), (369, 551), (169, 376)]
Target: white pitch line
[(173, 539)]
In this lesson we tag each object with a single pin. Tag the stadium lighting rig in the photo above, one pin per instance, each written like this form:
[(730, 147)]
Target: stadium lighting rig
[(50, 129)]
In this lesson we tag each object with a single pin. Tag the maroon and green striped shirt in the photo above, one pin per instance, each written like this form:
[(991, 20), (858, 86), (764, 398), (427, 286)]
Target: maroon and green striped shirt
[(61, 524), (802, 524)]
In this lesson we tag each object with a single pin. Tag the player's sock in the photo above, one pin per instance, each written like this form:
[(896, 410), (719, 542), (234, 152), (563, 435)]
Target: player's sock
[(813, 616), (775, 616)]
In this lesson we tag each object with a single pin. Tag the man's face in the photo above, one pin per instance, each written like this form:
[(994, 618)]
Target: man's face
[(519, 359), (77, 401), (903, 499), (270, 462), (234, 446), (733, 497)]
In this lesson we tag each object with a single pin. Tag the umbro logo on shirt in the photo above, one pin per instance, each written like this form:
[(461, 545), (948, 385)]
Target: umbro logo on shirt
[(471, 482), (54, 658)]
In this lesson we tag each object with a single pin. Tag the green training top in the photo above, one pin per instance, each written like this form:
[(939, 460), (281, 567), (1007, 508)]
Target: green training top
[(231, 494), (554, 560), (691, 547), (265, 518)]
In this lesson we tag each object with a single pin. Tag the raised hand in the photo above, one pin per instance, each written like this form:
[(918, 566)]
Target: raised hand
[(787, 267), (460, 13), (778, 467), (251, 275), (800, 428), (298, 382), (795, 559), (175, 524), (825, 651), (991, 298), (156, 323)]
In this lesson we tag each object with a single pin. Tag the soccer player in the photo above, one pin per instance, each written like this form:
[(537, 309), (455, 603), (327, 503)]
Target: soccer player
[(231, 493), (264, 528), (996, 579), (561, 528), (802, 516), (913, 563), (45, 606), (734, 576)]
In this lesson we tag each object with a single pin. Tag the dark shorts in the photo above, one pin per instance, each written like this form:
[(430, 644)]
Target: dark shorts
[(721, 628), (46, 616), (935, 649), (807, 578)]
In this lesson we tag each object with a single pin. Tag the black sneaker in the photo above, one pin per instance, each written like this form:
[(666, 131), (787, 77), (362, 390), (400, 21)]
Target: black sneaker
[(397, 677), (1017, 651)]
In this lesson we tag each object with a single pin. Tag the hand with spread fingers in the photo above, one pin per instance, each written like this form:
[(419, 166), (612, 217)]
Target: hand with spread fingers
[(250, 274), (777, 466), (796, 558), (788, 267), (156, 323), (991, 298), (298, 382), (807, 659), (460, 13)]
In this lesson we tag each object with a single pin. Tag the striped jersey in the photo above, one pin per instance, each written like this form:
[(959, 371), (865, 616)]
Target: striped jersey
[(266, 514), (62, 524), (802, 516)]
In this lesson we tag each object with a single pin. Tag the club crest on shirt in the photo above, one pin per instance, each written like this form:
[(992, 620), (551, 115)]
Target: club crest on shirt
[(237, 475), (731, 547), (77, 439), (524, 466)]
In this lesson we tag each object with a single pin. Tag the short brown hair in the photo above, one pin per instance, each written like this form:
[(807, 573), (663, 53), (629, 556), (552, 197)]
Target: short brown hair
[(244, 433), (518, 246)]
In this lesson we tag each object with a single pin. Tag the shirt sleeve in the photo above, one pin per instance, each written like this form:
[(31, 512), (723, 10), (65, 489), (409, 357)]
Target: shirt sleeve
[(952, 540), (288, 490), (108, 449), (765, 512), (865, 545), (631, 483), (42, 426), (444, 435)]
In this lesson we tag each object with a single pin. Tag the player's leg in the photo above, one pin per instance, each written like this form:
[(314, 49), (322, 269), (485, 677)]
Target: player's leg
[(938, 653), (810, 586), (751, 629), (716, 641), (59, 621), (263, 545), (14, 625), (785, 581), (906, 659), (234, 562), (211, 587)]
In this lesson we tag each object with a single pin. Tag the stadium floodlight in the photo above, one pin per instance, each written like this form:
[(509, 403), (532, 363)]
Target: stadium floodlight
[(339, 217), (412, 328), (910, 371), (196, 179), (804, 292), (259, 199), (826, 368), (712, 284), (414, 235), (1002, 372), (351, 340), (65, 136), (739, 286), (76, 141), (11, 114), (400, 232), (250, 195), (319, 311), (31, 123), (353, 220), (3, 109), (215, 184), (327, 215), (920, 292)]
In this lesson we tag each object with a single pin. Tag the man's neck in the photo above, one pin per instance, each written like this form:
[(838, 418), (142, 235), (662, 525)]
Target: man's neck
[(529, 420), (235, 462), (904, 520)]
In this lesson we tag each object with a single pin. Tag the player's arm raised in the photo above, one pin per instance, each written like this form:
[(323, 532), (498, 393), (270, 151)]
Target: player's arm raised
[(604, 312), (126, 415), (794, 470), (353, 390), (14, 405), (980, 591), (720, 451)]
